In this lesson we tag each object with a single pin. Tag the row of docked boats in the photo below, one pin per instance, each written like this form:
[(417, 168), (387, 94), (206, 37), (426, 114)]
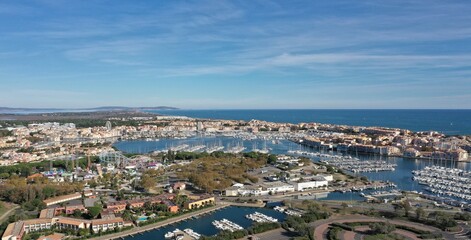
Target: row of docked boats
[(225, 224), (320, 155), (260, 218), (382, 194), (288, 212), (451, 182), (359, 166), (192, 233)]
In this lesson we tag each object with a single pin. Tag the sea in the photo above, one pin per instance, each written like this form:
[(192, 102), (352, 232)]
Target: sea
[(450, 122)]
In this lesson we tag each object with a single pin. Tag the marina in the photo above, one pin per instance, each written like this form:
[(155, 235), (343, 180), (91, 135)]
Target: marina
[(356, 166), (401, 177), (451, 182), (203, 224)]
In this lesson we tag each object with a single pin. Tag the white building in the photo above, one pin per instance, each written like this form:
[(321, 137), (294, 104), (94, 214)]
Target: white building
[(301, 186), (328, 177), (279, 187)]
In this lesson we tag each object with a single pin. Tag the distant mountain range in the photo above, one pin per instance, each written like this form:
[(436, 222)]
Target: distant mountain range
[(105, 108)]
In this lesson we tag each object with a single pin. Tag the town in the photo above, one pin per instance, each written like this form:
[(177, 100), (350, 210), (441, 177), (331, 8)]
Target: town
[(52, 140), (71, 181)]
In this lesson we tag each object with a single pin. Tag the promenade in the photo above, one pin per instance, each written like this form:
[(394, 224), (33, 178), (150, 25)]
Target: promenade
[(139, 230)]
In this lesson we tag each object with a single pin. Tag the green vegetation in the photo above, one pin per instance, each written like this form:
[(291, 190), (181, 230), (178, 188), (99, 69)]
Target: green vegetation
[(382, 227), (26, 169), (17, 190), (313, 213), (5, 133), (333, 233), (343, 226), (218, 171), (384, 237), (149, 179)]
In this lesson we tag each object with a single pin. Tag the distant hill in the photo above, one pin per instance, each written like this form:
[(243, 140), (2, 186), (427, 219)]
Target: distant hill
[(120, 108), (105, 108)]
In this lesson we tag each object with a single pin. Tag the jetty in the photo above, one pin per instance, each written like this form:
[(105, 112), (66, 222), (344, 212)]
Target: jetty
[(225, 224), (260, 218)]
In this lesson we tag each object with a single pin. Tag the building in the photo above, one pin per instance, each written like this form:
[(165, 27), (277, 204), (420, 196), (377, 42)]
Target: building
[(252, 191), (200, 201), (279, 187), (231, 191), (454, 155), (412, 153), (47, 213), (328, 177), (66, 198), (301, 186), (179, 186), (107, 224), (14, 231), (117, 207), (71, 209), (72, 223), (54, 236), (37, 224)]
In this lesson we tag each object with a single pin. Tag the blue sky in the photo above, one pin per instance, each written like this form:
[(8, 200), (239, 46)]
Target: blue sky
[(236, 54)]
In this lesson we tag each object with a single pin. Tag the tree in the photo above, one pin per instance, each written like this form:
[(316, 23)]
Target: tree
[(382, 228), (127, 215), (344, 206), (419, 213), (147, 182), (83, 232), (94, 211), (77, 213), (272, 159), (407, 207)]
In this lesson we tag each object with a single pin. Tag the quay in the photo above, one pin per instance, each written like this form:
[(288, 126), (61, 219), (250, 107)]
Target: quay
[(140, 230)]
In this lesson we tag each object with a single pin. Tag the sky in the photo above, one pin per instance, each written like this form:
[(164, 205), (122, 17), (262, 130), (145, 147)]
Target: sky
[(236, 54)]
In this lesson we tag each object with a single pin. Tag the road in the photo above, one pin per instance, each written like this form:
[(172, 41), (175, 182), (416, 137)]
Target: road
[(322, 226), (8, 213)]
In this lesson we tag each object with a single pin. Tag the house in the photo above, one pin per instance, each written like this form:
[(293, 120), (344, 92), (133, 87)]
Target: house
[(199, 201), (14, 231), (411, 153), (252, 191), (171, 207), (70, 209), (72, 223), (107, 224), (54, 236), (231, 191), (37, 224), (47, 213), (117, 207)]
